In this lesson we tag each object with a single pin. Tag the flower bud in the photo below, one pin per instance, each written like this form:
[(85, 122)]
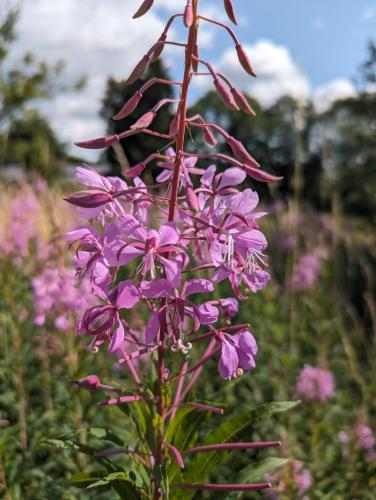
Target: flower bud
[(159, 46), (240, 152), (244, 60), (144, 7), (188, 14), (174, 125), (144, 121), (209, 137), (89, 199), (230, 11), (191, 198), (242, 101), (134, 171), (90, 382), (128, 107), (139, 69), (225, 95), (260, 175), (100, 143)]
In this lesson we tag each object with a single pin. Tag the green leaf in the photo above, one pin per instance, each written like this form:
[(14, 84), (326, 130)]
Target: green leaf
[(85, 479), (256, 472), (230, 430)]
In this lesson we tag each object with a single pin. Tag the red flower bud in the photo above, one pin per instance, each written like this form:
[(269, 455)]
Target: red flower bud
[(100, 143), (244, 60), (145, 6), (260, 175), (144, 121), (192, 198), (242, 101), (128, 107), (139, 69), (90, 382), (230, 11), (188, 14), (174, 125), (135, 171), (240, 152), (209, 137), (89, 199), (159, 46), (225, 95)]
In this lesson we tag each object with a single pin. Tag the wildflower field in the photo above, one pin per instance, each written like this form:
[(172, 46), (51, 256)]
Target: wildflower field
[(187, 321)]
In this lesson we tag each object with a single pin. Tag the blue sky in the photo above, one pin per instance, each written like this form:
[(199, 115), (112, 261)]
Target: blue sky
[(305, 48)]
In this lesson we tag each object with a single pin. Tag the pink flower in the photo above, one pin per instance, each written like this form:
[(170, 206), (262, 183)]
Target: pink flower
[(315, 384)]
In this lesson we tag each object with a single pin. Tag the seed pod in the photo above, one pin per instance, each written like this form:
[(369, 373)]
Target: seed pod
[(225, 95), (144, 121), (242, 101), (129, 106), (144, 7), (240, 152), (139, 69), (159, 46), (230, 11), (100, 143), (260, 175), (244, 60), (188, 14)]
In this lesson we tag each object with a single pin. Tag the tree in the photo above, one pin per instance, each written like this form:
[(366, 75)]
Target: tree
[(135, 148)]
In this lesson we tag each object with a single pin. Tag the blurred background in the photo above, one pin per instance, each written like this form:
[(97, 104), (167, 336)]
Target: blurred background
[(62, 71)]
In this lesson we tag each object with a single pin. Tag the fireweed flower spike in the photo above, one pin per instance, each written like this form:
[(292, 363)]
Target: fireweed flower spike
[(192, 220)]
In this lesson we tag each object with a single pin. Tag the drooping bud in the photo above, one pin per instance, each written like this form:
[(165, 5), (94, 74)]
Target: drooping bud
[(209, 137), (191, 198), (90, 382), (174, 125), (100, 143), (144, 121), (242, 101), (139, 69), (225, 95), (128, 107), (188, 14), (135, 171), (241, 153), (260, 175), (145, 6), (159, 46), (89, 199), (244, 60), (230, 11)]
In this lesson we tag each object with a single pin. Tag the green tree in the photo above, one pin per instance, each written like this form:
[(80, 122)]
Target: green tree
[(136, 148)]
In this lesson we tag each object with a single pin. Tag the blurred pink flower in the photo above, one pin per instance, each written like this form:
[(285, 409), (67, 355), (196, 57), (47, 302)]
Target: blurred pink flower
[(315, 384)]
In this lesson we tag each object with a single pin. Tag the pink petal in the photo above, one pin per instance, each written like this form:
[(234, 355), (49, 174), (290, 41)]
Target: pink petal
[(152, 328), (128, 295), (232, 177), (228, 362), (197, 285), (117, 338)]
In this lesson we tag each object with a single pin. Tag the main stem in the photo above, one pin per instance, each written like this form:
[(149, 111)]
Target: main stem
[(179, 157)]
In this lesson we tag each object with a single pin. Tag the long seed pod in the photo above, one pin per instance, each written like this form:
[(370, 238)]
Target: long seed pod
[(230, 11), (144, 7)]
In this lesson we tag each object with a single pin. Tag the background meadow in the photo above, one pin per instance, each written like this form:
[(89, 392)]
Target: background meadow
[(315, 322)]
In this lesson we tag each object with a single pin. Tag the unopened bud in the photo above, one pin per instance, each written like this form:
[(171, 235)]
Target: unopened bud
[(244, 60), (192, 198), (129, 106), (209, 137), (260, 175), (188, 14), (174, 125), (225, 95), (139, 69), (89, 199), (144, 121), (242, 101), (100, 143), (240, 152), (90, 382), (145, 6), (159, 46), (135, 171), (230, 11)]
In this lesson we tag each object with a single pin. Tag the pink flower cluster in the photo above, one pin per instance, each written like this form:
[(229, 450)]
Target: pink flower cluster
[(307, 270), (218, 235), (364, 439), (301, 478), (58, 297), (315, 384)]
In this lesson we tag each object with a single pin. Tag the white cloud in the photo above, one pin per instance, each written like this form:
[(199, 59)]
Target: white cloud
[(325, 95), (368, 14), (278, 73)]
